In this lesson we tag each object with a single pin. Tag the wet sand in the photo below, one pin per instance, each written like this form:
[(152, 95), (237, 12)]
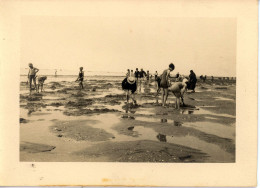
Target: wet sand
[(65, 124)]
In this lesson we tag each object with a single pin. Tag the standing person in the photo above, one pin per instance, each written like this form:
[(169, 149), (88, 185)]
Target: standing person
[(142, 75), (148, 77), (32, 76), (132, 73), (136, 73), (165, 83), (155, 75), (192, 81), (80, 78), (137, 77), (128, 73), (155, 79)]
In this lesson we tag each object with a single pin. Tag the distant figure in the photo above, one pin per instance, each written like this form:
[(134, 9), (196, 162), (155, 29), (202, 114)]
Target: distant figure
[(80, 78), (155, 75), (141, 78), (132, 73), (129, 84), (32, 76), (165, 83), (128, 73), (41, 80), (147, 75), (136, 73), (178, 78), (203, 78), (55, 73), (212, 78), (192, 81)]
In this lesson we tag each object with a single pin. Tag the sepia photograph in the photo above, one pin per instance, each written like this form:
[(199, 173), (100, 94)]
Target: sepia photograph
[(128, 89), (129, 93)]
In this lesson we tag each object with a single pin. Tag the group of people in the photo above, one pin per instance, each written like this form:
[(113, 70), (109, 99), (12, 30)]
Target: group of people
[(132, 81), (39, 80)]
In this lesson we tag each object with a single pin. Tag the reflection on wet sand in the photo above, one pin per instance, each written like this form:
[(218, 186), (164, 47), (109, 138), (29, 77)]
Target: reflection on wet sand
[(87, 121)]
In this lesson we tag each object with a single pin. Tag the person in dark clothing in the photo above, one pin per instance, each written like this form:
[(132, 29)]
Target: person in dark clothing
[(80, 78), (129, 84), (142, 73), (192, 81), (136, 73)]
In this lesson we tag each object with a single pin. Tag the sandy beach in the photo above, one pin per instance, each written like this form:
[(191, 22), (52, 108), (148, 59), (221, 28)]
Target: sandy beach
[(64, 124)]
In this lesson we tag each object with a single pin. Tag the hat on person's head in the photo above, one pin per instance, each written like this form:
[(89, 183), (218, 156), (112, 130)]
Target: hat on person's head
[(30, 64), (131, 80), (172, 66), (80, 67)]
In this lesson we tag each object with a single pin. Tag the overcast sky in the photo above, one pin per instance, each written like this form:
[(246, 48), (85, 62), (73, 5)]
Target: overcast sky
[(206, 45)]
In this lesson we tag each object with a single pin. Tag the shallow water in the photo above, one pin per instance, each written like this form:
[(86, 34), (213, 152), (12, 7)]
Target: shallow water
[(36, 130)]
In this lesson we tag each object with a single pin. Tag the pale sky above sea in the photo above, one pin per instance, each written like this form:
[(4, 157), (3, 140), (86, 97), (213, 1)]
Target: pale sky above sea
[(114, 44)]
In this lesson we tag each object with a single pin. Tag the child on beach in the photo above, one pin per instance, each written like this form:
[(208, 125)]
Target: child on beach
[(32, 76), (80, 78)]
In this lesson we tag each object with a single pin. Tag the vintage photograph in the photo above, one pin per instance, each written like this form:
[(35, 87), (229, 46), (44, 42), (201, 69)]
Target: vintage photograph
[(128, 89)]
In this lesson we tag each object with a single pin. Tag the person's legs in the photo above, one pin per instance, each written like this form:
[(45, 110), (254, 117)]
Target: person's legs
[(166, 95), (163, 95), (82, 84), (132, 95), (41, 87), (140, 84), (30, 83), (178, 102), (34, 81), (127, 96)]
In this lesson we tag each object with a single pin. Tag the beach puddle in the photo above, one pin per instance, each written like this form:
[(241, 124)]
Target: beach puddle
[(102, 110), (145, 111), (159, 120), (202, 111), (220, 130), (215, 153), (223, 99)]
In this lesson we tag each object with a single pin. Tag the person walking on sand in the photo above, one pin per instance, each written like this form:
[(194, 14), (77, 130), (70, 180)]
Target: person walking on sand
[(32, 76), (80, 78), (165, 82)]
